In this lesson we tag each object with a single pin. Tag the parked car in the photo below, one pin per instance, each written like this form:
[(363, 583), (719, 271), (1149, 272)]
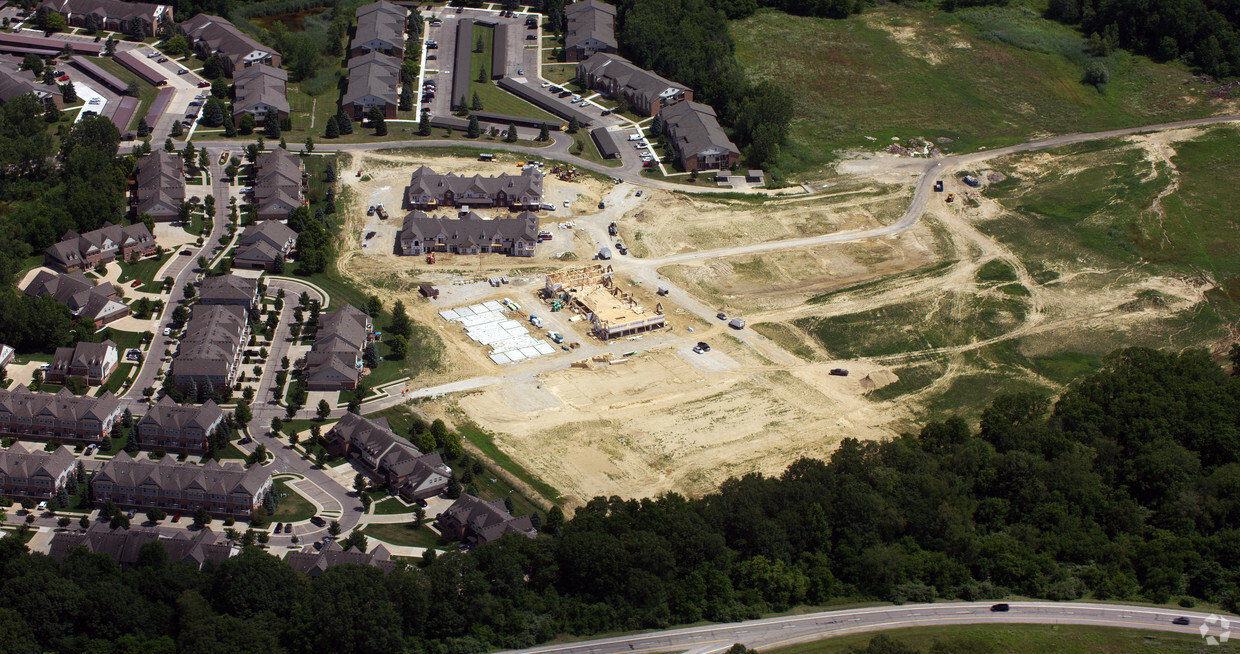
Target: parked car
[(62, 78), (90, 449), (546, 84), (42, 505), (606, 112), (704, 345), (318, 522), (432, 57), (196, 103), (520, 71), (531, 37), (839, 372), (176, 517), (288, 527), (152, 55), (187, 252), (639, 193), (161, 60), (134, 354), (204, 84), (167, 331), (182, 71), (432, 45), (371, 210), (279, 528), (95, 101)]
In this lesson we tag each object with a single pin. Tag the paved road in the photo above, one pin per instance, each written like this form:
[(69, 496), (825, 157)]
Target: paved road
[(182, 269), (773, 632)]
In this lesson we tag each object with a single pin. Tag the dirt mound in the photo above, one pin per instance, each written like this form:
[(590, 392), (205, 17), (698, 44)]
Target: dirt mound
[(878, 379)]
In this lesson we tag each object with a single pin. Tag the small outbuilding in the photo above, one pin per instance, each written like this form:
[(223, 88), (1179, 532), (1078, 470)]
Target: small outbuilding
[(429, 292)]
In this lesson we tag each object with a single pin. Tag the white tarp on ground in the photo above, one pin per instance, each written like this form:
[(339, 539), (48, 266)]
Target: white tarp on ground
[(510, 340)]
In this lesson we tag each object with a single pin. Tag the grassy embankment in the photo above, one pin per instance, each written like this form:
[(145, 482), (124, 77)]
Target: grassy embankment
[(983, 77)]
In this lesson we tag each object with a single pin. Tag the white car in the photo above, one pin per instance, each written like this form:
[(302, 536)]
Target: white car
[(546, 84), (566, 203), (94, 101)]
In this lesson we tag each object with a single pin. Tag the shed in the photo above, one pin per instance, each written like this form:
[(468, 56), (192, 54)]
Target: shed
[(499, 50), (606, 142), (429, 292), (91, 68)]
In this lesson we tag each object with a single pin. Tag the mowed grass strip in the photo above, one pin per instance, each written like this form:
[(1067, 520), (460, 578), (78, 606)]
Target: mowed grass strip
[(908, 72)]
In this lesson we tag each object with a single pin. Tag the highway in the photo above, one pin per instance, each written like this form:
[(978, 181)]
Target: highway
[(782, 631)]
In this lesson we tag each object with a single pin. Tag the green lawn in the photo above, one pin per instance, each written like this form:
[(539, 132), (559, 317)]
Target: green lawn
[(146, 90), (584, 147), (952, 74), (144, 270), (117, 378), (495, 99), (406, 535), (391, 506), (293, 507), (486, 444), (1025, 639)]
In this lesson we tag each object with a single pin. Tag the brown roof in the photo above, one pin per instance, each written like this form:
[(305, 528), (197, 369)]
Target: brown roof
[(124, 545), (167, 415), (81, 355), (24, 404), (211, 341), (212, 478), (229, 288), (314, 562), (485, 521), (224, 38), (74, 247), (425, 185), (469, 229), (16, 462), (76, 291), (160, 184), (588, 20)]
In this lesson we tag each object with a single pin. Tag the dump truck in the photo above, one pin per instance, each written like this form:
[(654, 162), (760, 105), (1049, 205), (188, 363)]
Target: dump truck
[(613, 229), (383, 214)]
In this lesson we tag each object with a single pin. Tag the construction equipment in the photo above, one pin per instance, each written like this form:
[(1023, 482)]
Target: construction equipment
[(951, 196), (556, 306), (613, 229), (938, 186), (383, 214), (430, 257)]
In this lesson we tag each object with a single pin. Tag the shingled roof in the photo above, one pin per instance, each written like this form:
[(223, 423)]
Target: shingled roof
[(167, 415), (381, 22), (73, 248), (470, 229), (631, 80), (277, 182), (427, 186), (211, 478), (76, 291), (224, 38), (373, 74), (211, 341), (24, 405), (485, 521), (314, 562), (272, 232), (18, 463), (389, 454), (115, 9), (260, 86), (695, 129), (228, 289), (160, 185), (124, 545), (590, 19)]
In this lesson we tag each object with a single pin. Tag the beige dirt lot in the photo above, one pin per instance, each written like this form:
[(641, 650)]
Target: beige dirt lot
[(671, 420)]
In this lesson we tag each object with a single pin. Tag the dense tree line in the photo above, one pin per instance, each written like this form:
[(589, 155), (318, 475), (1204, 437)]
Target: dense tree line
[(1201, 32), (45, 192), (688, 41), (825, 8), (1127, 488)]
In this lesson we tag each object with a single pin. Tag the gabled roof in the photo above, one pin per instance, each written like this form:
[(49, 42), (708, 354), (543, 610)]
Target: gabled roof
[(74, 247), (272, 232), (82, 355), (590, 19), (394, 455), (213, 478), (381, 21), (77, 292), (259, 252), (694, 129), (629, 78), (229, 288), (487, 521), (160, 182), (526, 187), (124, 11), (373, 74), (342, 330), (25, 405), (223, 37), (212, 340), (469, 229), (260, 84), (314, 562), (124, 545), (167, 415), (17, 463)]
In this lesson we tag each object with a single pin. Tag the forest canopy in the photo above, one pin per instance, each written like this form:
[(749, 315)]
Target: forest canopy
[(1126, 488)]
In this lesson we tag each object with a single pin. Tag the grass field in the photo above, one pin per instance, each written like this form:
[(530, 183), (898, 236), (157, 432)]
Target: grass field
[(1022, 639), (983, 77), (293, 507), (406, 534), (495, 99), (950, 319), (146, 90), (144, 270)]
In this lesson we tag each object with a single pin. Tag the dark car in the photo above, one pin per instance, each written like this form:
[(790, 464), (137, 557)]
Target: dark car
[(371, 210), (721, 315), (999, 608), (279, 528), (288, 527), (1181, 621), (839, 372), (704, 345), (318, 522), (601, 205)]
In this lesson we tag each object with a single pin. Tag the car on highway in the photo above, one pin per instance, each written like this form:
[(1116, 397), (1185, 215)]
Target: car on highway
[(318, 522), (1182, 621), (1000, 608)]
